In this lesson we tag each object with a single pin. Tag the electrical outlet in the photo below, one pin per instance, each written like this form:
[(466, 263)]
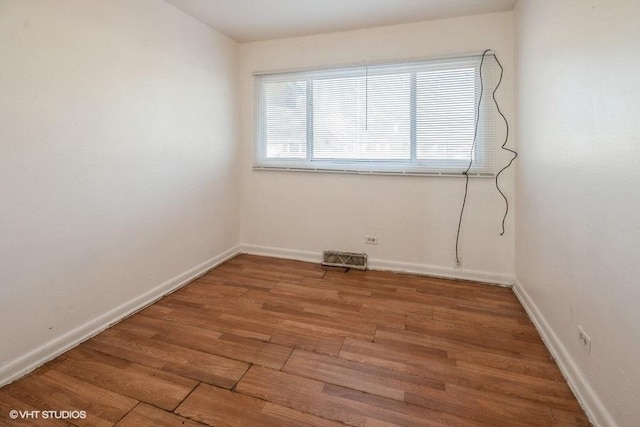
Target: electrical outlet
[(371, 240), (584, 340), (459, 262)]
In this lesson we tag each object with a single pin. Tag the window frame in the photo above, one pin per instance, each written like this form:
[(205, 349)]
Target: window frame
[(484, 145)]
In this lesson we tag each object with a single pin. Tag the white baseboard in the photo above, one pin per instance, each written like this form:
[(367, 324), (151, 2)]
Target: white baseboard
[(50, 350), (591, 403), (438, 271), (379, 264), (281, 253)]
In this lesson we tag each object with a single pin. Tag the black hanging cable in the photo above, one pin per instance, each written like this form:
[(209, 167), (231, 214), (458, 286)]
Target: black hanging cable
[(506, 138), (503, 146), (473, 146)]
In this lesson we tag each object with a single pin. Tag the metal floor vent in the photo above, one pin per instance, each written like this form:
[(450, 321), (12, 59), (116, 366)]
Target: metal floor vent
[(345, 259)]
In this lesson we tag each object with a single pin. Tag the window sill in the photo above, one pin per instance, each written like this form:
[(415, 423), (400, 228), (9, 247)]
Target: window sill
[(347, 170)]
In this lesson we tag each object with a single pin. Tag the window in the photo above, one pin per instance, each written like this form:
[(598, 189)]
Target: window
[(409, 118)]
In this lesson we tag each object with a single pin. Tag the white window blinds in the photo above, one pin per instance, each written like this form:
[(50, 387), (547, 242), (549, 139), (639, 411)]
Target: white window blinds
[(417, 117)]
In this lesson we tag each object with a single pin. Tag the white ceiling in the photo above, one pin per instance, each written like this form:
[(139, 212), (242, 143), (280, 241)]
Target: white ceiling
[(251, 20)]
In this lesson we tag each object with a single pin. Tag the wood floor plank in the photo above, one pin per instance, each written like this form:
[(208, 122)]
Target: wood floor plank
[(338, 325), (427, 390), (420, 361), (298, 296), (172, 358), (534, 367), (570, 418), (556, 394), (484, 407), (213, 320), (508, 310), (488, 321), (370, 298), (308, 290), (231, 277), (259, 272), (473, 353), (475, 335), (51, 390), (218, 343), (155, 310), (9, 402), (245, 325), (400, 284), (354, 293), (389, 335), (338, 403), (149, 416), (139, 382), (219, 407), (414, 281), (318, 299), (280, 264), (397, 354), (211, 287), (294, 334), (359, 376)]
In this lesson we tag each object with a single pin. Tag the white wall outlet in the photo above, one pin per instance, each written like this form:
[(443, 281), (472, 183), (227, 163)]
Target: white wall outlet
[(584, 340), (371, 240)]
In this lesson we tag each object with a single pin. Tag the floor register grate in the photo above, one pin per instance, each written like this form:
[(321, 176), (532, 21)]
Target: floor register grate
[(345, 259)]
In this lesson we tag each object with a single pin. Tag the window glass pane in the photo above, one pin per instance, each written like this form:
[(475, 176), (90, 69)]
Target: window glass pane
[(285, 119), (362, 116), (445, 114)]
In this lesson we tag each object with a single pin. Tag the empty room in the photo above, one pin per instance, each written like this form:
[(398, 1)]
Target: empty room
[(319, 213)]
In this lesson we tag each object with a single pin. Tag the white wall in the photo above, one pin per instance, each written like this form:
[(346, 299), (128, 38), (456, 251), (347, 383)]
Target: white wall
[(578, 204), (118, 174), (415, 218)]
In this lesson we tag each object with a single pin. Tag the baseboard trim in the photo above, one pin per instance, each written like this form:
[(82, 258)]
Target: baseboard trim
[(438, 271), (23, 365), (281, 253), (385, 265), (591, 403)]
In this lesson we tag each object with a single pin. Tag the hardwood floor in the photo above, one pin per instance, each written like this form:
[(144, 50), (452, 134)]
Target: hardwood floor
[(269, 342)]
